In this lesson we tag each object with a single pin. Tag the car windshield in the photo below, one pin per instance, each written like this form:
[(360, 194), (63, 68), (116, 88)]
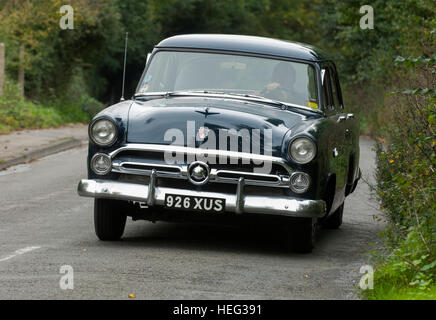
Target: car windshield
[(285, 81)]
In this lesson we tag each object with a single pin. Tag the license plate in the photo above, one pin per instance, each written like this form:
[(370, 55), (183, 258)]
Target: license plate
[(175, 201)]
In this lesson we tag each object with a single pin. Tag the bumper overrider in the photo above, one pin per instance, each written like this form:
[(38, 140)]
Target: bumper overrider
[(237, 203)]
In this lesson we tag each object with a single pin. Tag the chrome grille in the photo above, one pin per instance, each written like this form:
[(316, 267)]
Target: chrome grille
[(141, 159)]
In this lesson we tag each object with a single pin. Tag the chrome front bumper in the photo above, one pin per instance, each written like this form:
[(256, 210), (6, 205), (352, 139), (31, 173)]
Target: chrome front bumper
[(153, 195)]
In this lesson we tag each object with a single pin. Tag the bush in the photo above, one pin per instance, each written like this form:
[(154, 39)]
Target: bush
[(18, 113), (406, 188)]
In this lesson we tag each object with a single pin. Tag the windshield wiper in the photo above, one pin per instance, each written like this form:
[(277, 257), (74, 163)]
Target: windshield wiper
[(172, 93), (252, 97), (276, 102), (150, 94), (246, 95)]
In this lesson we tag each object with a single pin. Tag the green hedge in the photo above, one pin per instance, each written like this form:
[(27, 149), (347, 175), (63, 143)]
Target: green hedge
[(18, 113), (406, 189)]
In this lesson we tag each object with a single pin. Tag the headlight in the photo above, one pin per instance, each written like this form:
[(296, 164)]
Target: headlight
[(101, 163), (103, 132), (299, 182), (302, 150)]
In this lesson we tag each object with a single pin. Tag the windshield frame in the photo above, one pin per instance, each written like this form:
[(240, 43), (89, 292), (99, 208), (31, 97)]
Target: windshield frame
[(314, 64)]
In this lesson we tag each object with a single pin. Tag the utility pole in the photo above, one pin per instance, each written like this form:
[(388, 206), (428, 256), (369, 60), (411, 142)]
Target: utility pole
[(2, 68), (21, 71)]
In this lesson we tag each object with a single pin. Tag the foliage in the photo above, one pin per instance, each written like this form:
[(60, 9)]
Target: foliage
[(365, 57), (406, 186), (18, 113), (96, 44), (52, 54)]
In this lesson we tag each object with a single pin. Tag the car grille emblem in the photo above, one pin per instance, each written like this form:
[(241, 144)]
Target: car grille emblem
[(202, 133), (198, 173)]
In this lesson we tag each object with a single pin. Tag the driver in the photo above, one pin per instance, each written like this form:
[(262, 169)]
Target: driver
[(281, 86)]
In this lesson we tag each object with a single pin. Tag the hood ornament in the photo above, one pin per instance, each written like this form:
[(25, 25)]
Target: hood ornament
[(206, 112)]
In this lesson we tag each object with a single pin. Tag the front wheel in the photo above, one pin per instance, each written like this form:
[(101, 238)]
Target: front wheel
[(301, 234), (109, 219), (335, 219)]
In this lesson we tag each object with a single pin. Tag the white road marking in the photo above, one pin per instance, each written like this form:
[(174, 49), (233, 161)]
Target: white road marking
[(19, 252)]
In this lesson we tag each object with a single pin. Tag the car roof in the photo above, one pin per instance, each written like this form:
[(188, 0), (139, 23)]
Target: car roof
[(247, 44)]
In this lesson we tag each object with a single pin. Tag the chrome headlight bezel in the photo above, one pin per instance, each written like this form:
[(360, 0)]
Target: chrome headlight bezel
[(293, 187), (301, 160), (93, 166), (114, 133)]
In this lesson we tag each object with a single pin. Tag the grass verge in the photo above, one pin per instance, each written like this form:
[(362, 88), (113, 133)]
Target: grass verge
[(18, 113)]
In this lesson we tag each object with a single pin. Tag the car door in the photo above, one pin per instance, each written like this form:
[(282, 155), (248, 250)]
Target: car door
[(351, 134), (337, 142)]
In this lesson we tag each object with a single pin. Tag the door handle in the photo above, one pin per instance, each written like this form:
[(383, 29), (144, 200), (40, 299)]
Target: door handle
[(350, 115), (341, 118)]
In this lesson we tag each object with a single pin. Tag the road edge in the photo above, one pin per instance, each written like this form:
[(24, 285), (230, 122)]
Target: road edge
[(42, 152)]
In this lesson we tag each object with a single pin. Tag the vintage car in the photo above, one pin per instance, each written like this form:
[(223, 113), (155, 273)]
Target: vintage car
[(226, 127)]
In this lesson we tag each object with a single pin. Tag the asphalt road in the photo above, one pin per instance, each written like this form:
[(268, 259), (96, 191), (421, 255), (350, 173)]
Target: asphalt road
[(44, 225)]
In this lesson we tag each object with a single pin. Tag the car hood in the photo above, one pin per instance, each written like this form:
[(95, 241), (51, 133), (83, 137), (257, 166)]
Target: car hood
[(150, 121)]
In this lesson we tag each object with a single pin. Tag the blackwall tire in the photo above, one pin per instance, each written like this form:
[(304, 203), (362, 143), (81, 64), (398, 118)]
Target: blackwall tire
[(335, 219), (302, 235), (109, 219)]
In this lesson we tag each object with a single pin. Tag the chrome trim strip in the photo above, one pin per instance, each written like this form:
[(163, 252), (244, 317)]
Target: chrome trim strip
[(273, 205), (249, 174), (148, 165), (200, 152)]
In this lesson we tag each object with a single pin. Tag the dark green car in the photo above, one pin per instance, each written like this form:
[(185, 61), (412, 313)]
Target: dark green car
[(227, 128)]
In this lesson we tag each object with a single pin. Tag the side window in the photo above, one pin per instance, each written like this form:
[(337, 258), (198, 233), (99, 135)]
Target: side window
[(326, 89), (335, 90)]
